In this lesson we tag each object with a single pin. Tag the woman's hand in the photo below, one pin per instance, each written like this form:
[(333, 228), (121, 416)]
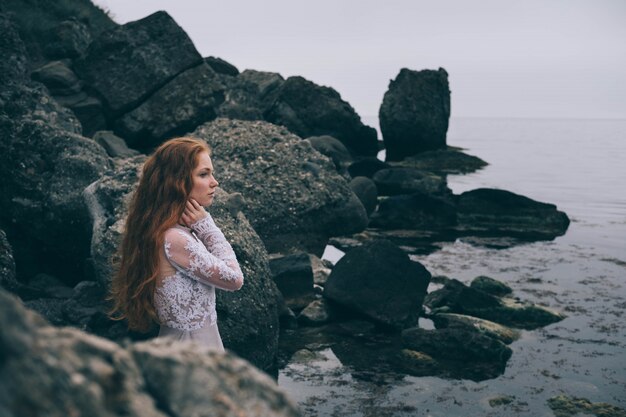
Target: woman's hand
[(193, 212)]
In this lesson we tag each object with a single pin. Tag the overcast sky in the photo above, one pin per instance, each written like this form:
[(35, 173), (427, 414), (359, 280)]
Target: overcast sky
[(505, 58)]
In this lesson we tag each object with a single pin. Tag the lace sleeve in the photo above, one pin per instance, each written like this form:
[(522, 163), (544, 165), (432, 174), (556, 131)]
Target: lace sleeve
[(213, 238), (189, 255)]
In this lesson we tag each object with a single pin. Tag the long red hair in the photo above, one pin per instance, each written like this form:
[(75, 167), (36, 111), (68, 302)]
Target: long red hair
[(158, 203)]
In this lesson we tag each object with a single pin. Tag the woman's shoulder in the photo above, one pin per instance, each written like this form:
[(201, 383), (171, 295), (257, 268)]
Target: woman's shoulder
[(178, 233)]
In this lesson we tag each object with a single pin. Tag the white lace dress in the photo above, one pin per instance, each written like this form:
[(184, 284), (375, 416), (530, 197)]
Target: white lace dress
[(193, 263)]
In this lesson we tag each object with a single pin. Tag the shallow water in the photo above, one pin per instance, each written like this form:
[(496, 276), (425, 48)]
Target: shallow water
[(575, 164)]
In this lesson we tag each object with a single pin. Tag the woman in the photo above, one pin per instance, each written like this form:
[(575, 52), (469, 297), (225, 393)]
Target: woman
[(172, 254)]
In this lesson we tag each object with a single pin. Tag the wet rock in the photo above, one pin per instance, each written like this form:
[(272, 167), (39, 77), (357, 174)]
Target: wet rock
[(417, 363), (293, 275), (307, 202), (59, 78), (366, 191), (127, 64), (102, 378), (221, 66), (7, 263), (442, 162), (490, 286), (114, 145), (499, 212), (356, 283), (408, 181), (491, 329), (457, 344), (414, 113), (415, 211), (248, 318), (315, 314), (367, 167), (332, 148), (321, 270), (566, 406), (455, 297), (188, 100), (247, 95), (307, 109), (68, 39), (501, 400)]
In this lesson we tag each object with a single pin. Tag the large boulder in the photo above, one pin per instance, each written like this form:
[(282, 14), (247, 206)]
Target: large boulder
[(380, 281), (221, 66), (247, 95), (414, 113), (178, 107), (293, 274), (68, 39), (63, 371), (294, 197), (408, 180), (248, 318), (127, 64), (417, 211), (493, 212), (307, 109)]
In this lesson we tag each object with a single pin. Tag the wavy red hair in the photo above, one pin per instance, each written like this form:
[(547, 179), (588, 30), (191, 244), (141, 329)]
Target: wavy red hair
[(158, 203)]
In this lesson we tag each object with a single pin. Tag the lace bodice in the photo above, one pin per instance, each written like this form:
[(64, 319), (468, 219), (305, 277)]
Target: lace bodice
[(196, 261)]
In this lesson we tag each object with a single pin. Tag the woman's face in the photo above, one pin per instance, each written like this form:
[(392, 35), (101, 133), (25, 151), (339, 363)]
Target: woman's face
[(204, 183)]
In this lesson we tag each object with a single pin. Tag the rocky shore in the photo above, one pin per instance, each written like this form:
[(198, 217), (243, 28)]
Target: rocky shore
[(298, 171)]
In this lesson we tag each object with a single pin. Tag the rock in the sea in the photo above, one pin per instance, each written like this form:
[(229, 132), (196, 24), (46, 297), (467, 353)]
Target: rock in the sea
[(380, 281), (127, 64), (366, 167), (495, 330), (566, 406), (494, 212), (457, 344), (366, 190), (491, 286), (221, 66), (456, 297), (307, 109), (188, 100), (442, 162), (414, 113), (63, 371), (408, 180), (415, 211), (248, 318), (294, 197), (293, 275)]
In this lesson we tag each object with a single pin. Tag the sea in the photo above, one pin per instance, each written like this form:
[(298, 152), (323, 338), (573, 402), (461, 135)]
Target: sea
[(578, 165)]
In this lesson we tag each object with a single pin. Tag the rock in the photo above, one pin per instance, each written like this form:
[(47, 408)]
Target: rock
[(247, 95), (414, 113), (294, 198), (307, 109), (455, 297), (414, 211), (14, 60), (366, 167), (315, 314), (566, 406), (68, 39), (501, 400), (293, 275), (495, 212), (366, 191), (125, 65), (490, 286), (188, 100), (457, 344), (7, 263), (408, 181), (51, 286), (417, 363), (442, 162), (114, 145), (248, 318), (356, 283), (491, 329), (101, 378), (59, 78), (321, 270), (332, 148), (220, 66), (89, 111)]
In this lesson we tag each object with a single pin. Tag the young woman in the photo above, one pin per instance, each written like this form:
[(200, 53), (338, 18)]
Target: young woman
[(172, 255)]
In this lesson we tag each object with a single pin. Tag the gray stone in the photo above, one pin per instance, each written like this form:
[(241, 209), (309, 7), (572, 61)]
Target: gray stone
[(366, 190), (220, 66), (293, 275), (332, 148), (356, 282), (295, 199), (490, 286), (247, 95), (58, 77), (315, 314), (176, 108), (567, 406), (127, 64), (7, 263), (408, 181), (68, 39), (414, 113), (114, 145), (495, 330), (442, 162), (415, 211)]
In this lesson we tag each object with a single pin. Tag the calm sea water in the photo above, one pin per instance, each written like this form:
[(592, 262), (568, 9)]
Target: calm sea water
[(577, 165)]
